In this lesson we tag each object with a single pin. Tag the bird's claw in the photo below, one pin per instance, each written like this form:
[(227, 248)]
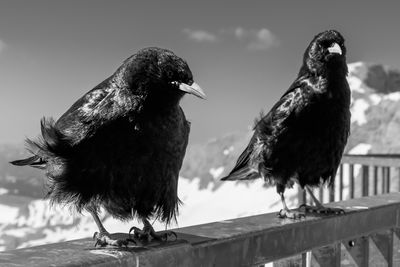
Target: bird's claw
[(131, 240), (137, 233), (321, 210), (291, 214), (104, 239), (172, 233), (148, 232), (164, 236), (99, 241)]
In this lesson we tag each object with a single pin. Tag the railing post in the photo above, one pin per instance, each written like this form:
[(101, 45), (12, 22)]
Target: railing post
[(351, 178), (321, 194), (332, 193), (388, 180), (398, 177), (381, 249), (341, 182), (365, 182), (326, 256), (383, 180), (376, 180), (396, 247)]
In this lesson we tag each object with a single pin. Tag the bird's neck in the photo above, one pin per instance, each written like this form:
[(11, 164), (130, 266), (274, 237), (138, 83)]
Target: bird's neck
[(335, 68), (337, 86), (337, 71), (162, 103)]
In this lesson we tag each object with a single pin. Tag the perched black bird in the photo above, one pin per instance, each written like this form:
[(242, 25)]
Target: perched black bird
[(303, 137), (122, 144)]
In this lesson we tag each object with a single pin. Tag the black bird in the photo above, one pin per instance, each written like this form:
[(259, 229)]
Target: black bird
[(122, 144), (303, 136)]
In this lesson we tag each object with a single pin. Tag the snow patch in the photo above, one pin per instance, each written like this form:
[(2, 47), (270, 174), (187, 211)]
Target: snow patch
[(40, 214), (375, 99), (3, 191), (392, 96), (216, 172), (358, 111), (8, 214), (360, 149), (228, 150), (355, 84), (352, 67)]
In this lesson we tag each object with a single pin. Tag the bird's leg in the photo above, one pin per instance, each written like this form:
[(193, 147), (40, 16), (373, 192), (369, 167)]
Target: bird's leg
[(286, 212), (148, 232), (319, 208), (103, 237)]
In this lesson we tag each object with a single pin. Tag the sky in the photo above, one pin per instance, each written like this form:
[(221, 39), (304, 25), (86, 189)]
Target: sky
[(244, 54)]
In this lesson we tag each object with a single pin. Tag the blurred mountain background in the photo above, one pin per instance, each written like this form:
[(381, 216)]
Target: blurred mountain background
[(26, 219)]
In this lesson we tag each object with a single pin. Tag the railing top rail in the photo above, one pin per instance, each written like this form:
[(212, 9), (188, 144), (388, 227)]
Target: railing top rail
[(387, 160), (239, 242), (374, 155)]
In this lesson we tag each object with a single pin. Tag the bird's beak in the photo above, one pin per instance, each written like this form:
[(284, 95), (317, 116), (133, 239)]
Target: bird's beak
[(193, 89), (335, 49)]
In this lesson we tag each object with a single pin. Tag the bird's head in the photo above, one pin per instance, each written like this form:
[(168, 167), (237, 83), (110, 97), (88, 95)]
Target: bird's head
[(325, 51), (160, 74)]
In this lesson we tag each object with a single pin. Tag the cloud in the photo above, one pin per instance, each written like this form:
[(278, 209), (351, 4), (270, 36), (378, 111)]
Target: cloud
[(239, 32), (262, 39), (2, 46), (200, 36), (253, 39)]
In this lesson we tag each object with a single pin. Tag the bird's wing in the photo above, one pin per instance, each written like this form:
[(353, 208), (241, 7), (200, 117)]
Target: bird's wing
[(291, 103), (266, 129), (99, 107)]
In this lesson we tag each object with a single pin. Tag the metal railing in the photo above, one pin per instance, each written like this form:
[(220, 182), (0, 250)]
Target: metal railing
[(368, 234), (362, 175)]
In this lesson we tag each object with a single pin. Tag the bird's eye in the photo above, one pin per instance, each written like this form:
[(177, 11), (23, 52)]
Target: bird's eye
[(325, 44), (169, 74), (175, 83)]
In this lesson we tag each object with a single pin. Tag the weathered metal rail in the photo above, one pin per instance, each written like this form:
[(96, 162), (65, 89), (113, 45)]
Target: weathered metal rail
[(368, 234)]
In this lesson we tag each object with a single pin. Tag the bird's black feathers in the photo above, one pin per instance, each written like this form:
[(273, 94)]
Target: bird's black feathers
[(122, 144), (243, 169), (304, 134), (34, 161)]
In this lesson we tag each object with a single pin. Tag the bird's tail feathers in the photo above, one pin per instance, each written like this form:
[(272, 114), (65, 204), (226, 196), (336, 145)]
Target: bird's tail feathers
[(34, 161), (49, 144), (242, 169), (52, 142), (244, 173)]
